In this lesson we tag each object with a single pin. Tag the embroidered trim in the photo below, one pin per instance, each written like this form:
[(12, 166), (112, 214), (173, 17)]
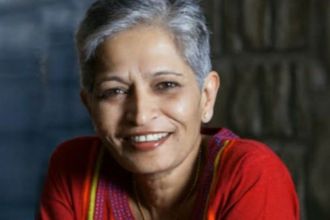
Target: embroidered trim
[(88, 180), (218, 164), (100, 199), (94, 184)]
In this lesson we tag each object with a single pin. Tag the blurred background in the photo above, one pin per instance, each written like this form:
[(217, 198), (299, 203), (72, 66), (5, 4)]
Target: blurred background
[(272, 56)]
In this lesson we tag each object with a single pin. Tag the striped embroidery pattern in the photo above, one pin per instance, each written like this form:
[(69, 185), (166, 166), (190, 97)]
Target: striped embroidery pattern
[(91, 182), (88, 181), (206, 180), (95, 190), (94, 184), (218, 164), (214, 150), (119, 202), (100, 199)]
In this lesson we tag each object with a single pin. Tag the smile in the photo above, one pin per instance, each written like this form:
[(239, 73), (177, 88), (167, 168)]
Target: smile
[(147, 141), (148, 138)]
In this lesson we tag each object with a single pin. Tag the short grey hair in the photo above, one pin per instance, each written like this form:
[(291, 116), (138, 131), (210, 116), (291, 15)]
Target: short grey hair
[(183, 19)]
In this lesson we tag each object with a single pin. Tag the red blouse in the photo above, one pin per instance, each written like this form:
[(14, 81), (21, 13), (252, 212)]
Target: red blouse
[(242, 180)]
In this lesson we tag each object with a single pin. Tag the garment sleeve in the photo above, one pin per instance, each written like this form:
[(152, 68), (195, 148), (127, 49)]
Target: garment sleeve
[(55, 201), (261, 188)]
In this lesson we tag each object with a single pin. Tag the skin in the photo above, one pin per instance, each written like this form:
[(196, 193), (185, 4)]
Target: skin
[(142, 84)]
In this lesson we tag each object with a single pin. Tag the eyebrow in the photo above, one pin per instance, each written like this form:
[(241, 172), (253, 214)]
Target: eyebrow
[(166, 73), (121, 80), (112, 78)]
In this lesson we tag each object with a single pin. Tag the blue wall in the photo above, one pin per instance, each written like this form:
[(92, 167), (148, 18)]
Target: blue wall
[(39, 101)]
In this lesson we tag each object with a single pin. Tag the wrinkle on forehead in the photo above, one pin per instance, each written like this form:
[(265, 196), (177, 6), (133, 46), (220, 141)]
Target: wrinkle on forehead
[(154, 51)]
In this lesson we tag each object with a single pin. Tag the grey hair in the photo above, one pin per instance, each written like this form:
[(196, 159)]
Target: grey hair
[(184, 19)]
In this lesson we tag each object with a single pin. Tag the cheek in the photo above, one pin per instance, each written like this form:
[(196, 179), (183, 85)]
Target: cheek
[(105, 117), (184, 106)]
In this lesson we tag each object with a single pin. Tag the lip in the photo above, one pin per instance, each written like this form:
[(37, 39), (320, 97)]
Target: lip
[(144, 133), (147, 145)]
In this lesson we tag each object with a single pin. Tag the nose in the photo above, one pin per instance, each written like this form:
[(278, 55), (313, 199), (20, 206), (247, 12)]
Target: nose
[(141, 107)]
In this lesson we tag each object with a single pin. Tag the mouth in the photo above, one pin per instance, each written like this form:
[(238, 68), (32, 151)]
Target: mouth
[(147, 142), (148, 138)]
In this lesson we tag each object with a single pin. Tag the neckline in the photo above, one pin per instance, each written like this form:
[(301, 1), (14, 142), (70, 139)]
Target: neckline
[(197, 205), (217, 135)]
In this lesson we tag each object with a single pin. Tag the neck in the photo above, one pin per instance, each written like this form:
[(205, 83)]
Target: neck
[(164, 192)]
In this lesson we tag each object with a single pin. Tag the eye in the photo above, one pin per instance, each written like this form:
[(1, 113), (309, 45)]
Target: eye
[(166, 85), (111, 93)]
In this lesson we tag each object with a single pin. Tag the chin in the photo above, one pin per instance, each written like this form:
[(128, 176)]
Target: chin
[(151, 161), (148, 166)]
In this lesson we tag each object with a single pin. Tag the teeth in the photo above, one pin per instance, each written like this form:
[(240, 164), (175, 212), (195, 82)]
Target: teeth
[(149, 137)]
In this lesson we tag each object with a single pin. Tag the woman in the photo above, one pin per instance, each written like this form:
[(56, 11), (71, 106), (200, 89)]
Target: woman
[(147, 85)]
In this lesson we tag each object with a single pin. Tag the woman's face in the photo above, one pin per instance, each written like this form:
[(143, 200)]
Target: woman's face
[(146, 104)]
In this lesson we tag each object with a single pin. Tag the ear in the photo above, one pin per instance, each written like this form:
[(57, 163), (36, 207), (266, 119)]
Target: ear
[(85, 100), (209, 95)]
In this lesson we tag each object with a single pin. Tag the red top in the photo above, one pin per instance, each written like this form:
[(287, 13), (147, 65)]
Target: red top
[(242, 180)]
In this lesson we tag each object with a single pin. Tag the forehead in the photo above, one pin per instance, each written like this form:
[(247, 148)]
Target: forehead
[(143, 47)]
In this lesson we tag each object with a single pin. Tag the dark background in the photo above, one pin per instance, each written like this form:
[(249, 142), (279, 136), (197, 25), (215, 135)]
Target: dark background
[(272, 56)]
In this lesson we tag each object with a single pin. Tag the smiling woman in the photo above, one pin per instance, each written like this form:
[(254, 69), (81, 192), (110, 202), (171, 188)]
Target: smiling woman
[(144, 87), (147, 85)]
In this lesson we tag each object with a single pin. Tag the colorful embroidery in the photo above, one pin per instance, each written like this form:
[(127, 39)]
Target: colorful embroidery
[(119, 202), (88, 181), (98, 188), (100, 199), (91, 182), (218, 164), (221, 141), (94, 184)]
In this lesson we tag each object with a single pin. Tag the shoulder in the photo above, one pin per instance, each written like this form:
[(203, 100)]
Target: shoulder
[(81, 144), (251, 163), (75, 152), (249, 149), (235, 157), (233, 150), (66, 174), (244, 155), (246, 170)]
